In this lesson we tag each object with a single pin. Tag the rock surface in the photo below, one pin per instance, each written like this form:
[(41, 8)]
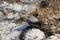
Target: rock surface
[(34, 34), (54, 37)]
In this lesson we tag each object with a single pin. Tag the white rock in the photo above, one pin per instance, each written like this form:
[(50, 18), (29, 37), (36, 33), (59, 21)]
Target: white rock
[(13, 35), (3, 4), (32, 19), (29, 1), (6, 31), (10, 6), (34, 34), (54, 37), (6, 26), (28, 8), (16, 15), (10, 16), (14, 6), (17, 7)]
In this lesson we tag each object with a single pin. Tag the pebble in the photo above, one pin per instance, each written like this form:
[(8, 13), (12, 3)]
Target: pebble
[(34, 34), (54, 37)]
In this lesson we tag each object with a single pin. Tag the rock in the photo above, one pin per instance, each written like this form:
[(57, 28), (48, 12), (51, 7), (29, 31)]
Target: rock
[(10, 16), (3, 4), (29, 1), (13, 35), (54, 37), (15, 6), (34, 34), (6, 30), (28, 8), (6, 26)]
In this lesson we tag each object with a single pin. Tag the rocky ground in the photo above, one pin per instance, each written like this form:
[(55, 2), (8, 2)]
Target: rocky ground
[(30, 20)]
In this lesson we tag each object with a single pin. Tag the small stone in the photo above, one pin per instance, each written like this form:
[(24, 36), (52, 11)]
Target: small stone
[(10, 15), (54, 37), (28, 8), (34, 34)]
